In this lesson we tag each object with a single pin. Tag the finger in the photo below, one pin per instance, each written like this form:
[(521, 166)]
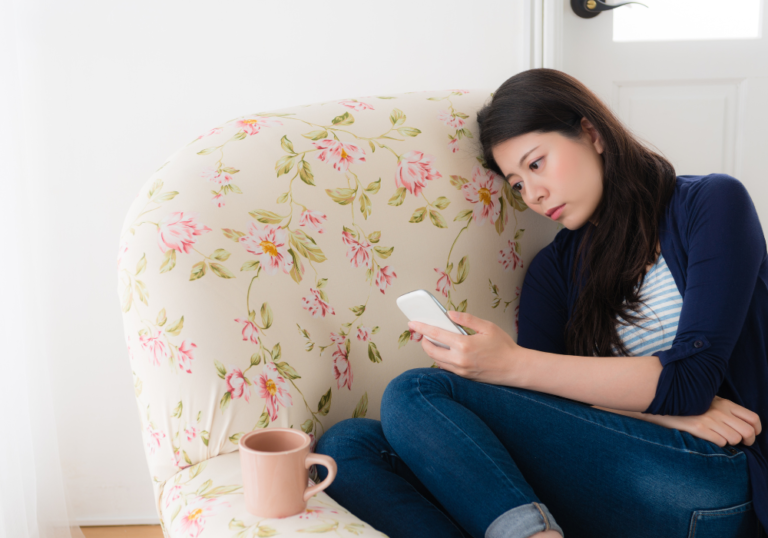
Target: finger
[(744, 429), (436, 333), (438, 354), (735, 430), (718, 439), (746, 422), (468, 320), (748, 416), (710, 430)]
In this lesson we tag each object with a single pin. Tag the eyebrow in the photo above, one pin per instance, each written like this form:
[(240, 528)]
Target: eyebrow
[(521, 162)]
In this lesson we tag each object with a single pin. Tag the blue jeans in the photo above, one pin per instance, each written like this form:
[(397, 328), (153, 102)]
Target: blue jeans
[(453, 457)]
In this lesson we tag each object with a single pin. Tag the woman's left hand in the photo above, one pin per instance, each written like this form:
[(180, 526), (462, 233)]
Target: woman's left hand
[(488, 356)]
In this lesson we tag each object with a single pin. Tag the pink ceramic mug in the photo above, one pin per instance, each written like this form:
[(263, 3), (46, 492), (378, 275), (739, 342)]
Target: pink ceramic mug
[(275, 464)]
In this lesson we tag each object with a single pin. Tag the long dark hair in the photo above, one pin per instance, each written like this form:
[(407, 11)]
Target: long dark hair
[(637, 186)]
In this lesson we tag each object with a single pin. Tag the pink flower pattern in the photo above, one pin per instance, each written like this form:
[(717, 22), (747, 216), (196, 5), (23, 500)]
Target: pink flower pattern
[(238, 385), (363, 333), (154, 344), (273, 388), (483, 191), (173, 495), (250, 330), (218, 199), (192, 519), (313, 219), (191, 433), (450, 120), (508, 257), (315, 304), (176, 460), (338, 154), (253, 125), (384, 277), (270, 244), (443, 282), (155, 438), (414, 169), (184, 354), (342, 369), (355, 105), (216, 176), (315, 512), (215, 130), (179, 231), (359, 252)]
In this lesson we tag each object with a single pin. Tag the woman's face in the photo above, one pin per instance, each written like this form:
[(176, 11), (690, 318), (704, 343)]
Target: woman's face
[(558, 171)]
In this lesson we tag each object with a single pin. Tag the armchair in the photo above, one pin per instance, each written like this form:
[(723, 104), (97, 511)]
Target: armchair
[(258, 270)]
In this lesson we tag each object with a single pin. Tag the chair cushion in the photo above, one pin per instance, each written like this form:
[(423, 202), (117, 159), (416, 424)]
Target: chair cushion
[(206, 500)]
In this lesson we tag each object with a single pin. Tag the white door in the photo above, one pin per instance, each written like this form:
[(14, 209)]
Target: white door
[(683, 75)]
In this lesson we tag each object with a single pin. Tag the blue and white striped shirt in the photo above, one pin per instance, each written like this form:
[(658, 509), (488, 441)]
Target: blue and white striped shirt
[(661, 312)]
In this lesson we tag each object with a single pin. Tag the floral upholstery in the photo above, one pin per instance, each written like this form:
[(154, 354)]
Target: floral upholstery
[(258, 270), (206, 499)]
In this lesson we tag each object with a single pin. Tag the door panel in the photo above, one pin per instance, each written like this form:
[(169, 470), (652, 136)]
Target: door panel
[(703, 104)]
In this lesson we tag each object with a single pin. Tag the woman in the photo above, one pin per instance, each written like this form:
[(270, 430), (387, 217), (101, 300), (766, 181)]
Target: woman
[(631, 403)]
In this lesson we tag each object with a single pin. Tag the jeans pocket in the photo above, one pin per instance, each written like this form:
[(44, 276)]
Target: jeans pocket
[(738, 521)]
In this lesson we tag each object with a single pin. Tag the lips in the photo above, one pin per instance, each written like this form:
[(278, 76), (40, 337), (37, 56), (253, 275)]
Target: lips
[(551, 211)]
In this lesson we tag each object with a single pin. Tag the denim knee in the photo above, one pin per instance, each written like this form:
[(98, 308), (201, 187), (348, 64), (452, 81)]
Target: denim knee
[(399, 389), (344, 429), (336, 439)]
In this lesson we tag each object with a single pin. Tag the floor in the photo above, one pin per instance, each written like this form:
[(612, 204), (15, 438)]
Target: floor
[(128, 531)]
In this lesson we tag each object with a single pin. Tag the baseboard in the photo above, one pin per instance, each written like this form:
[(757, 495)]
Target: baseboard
[(111, 522)]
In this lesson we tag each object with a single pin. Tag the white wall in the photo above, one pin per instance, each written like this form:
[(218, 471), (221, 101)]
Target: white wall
[(113, 88)]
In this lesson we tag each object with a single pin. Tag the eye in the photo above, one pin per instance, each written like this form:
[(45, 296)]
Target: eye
[(518, 183)]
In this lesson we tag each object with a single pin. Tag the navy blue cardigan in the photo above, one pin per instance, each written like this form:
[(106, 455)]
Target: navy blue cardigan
[(715, 248)]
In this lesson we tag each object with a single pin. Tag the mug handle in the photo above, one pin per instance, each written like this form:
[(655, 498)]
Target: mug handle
[(326, 461)]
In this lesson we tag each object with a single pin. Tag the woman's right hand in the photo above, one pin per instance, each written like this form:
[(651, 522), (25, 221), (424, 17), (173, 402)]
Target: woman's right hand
[(724, 423)]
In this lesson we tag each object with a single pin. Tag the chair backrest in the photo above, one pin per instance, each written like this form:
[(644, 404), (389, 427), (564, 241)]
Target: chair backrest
[(259, 266)]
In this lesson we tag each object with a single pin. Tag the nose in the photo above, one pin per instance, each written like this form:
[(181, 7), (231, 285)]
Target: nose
[(535, 196)]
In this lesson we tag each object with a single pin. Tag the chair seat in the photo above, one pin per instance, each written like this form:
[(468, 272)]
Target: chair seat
[(206, 500)]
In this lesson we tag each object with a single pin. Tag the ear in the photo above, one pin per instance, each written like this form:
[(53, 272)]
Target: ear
[(594, 136)]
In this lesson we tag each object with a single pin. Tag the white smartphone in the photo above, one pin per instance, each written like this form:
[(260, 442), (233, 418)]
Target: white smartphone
[(422, 306)]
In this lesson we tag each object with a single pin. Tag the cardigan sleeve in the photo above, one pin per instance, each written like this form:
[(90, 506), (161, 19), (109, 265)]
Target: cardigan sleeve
[(726, 247), (543, 304)]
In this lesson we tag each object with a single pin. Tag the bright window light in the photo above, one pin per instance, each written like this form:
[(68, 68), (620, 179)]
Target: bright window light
[(682, 20)]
